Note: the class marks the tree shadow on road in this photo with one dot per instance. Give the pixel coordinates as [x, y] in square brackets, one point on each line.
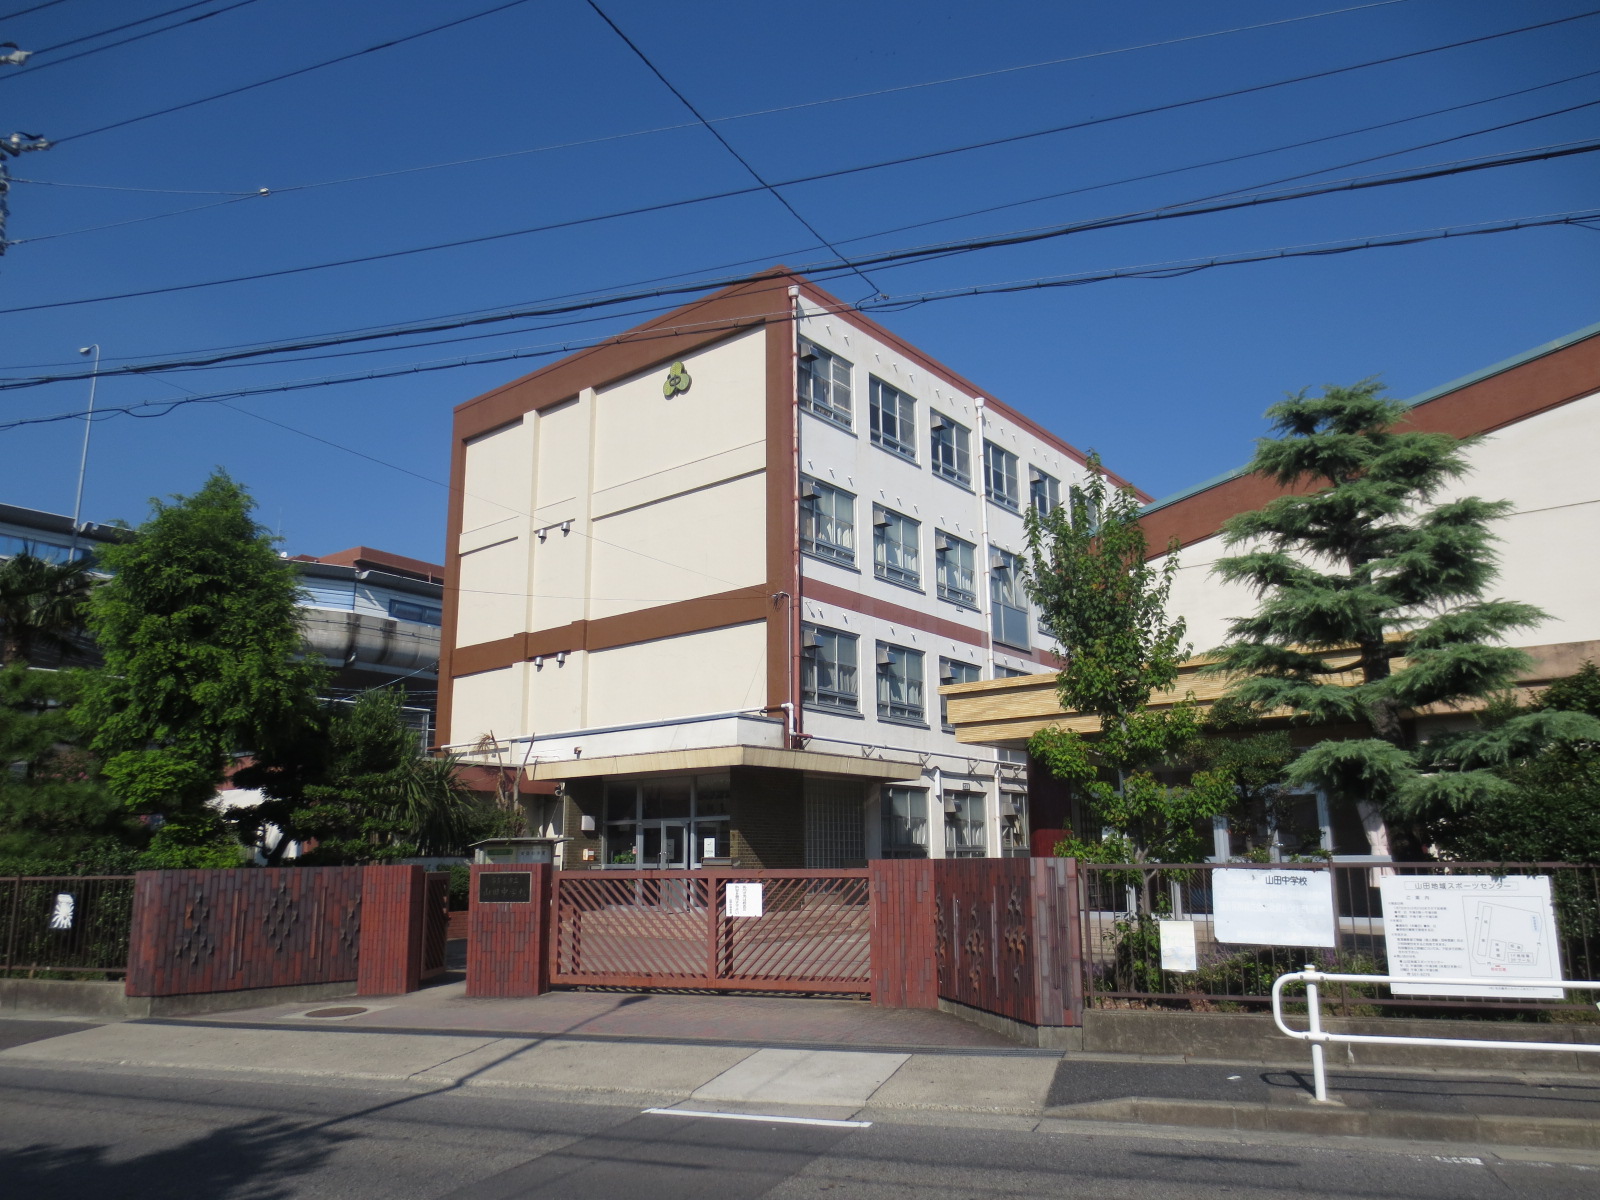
[258, 1160]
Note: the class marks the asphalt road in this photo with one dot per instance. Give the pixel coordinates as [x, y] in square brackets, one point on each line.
[124, 1135]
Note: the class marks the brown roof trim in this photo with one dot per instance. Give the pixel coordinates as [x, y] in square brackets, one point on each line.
[1484, 405]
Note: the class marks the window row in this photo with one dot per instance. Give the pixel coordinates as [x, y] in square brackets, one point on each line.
[829, 677]
[825, 390]
[904, 821]
[828, 531]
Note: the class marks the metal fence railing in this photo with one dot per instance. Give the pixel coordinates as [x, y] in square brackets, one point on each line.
[72, 924]
[1121, 906]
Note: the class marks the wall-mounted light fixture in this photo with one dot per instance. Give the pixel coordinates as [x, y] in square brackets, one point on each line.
[561, 659]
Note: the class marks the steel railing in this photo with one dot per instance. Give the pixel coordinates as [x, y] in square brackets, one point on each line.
[1318, 1036]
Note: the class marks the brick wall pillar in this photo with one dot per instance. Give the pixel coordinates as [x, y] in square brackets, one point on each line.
[391, 930]
[902, 954]
[507, 942]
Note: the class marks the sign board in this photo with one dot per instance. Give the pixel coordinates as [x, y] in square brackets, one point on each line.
[708, 847]
[1177, 946]
[1490, 927]
[61, 915]
[742, 900]
[505, 887]
[1273, 907]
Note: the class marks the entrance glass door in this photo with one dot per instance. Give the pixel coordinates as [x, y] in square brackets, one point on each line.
[664, 845]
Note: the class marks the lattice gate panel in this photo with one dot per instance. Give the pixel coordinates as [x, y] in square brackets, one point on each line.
[812, 929]
[638, 929]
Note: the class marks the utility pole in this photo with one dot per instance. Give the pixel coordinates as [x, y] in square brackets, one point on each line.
[17, 144]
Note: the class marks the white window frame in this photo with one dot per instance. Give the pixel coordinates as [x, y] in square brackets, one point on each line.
[1000, 475]
[827, 655]
[1008, 602]
[901, 696]
[950, 449]
[896, 540]
[966, 811]
[954, 670]
[1044, 491]
[956, 556]
[904, 810]
[894, 431]
[824, 533]
[824, 385]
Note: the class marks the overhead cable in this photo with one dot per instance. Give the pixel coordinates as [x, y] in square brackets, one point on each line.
[138, 37]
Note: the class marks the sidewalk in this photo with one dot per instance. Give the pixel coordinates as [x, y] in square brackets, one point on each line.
[743, 1054]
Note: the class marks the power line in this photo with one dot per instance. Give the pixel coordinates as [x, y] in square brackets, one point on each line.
[25, 11]
[816, 177]
[317, 66]
[1152, 271]
[48, 237]
[138, 37]
[725, 143]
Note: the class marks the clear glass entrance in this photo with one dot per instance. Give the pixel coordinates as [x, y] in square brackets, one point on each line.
[666, 822]
[664, 845]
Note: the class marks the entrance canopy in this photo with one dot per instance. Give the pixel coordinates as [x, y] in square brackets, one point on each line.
[714, 758]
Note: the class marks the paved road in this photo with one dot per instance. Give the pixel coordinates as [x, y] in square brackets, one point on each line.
[126, 1134]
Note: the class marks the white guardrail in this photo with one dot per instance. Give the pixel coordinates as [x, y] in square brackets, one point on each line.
[1317, 1036]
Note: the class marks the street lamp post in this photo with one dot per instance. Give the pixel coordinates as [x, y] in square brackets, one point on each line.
[83, 459]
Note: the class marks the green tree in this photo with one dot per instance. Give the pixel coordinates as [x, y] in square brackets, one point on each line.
[1360, 560]
[1105, 604]
[201, 637]
[53, 804]
[41, 606]
[358, 785]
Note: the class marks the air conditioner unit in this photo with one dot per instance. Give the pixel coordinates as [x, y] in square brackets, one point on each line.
[947, 676]
[885, 656]
[1008, 807]
[810, 643]
[937, 422]
[809, 491]
[997, 562]
[1034, 474]
[808, 353]
[879, 516]
[940, 542]
[950, 807]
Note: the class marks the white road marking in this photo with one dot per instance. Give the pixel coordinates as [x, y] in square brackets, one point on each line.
[722, 1116]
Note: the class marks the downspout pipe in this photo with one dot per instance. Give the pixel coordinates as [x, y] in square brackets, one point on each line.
[792, 705]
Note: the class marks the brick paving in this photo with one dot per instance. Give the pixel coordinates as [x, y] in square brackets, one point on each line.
[758, 1019]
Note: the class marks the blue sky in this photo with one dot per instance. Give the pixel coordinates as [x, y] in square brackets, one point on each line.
[1167, 378]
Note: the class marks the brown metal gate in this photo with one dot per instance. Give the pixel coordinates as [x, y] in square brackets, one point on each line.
[672, 929]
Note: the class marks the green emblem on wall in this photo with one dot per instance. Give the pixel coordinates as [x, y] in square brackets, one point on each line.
[677, 381]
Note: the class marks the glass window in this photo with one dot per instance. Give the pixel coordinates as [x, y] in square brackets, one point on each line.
[828, 668]
[1001, 672]
[1008, 601]
[1000, 475]
[327, 593]
[965, 829]
[1014, 823]
[894, 419]
[827, 521]
[48, 551]
[422, 614]
[1044, 491]
[899, 683]
[905, 822]
[954, 573]
[824, 382]
[894, 547]
[953, 671]
[1081, 501]
[951, 449]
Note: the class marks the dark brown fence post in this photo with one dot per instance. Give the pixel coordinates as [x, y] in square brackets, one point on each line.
[145, 937]
[902, 955]
[390, 961]
[510, 926]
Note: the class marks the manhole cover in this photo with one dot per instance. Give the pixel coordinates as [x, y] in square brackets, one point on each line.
[347, 1011]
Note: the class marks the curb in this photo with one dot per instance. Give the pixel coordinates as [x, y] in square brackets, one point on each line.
[1565, 1133]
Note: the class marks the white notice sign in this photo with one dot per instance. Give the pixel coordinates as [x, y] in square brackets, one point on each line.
[742, 900]
[1489, 927]
[708, 847]
[1177, 946]
[1273, 907]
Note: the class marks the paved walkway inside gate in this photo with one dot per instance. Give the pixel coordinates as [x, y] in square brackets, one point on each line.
[760, 1020]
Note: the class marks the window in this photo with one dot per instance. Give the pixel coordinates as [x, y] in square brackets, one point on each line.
[965, 829]
[951, 449]
[894, 547]
[1001, 672]
[328, 593]
[953, 671]
[1000, 475]
[1008, 618]
[1080, 500]
[894, 419]
[905, 822]
[422, 614]
[828, 668]
[899, 683]
[824, 384]
[954, 574]
[1044, 491]
[1013, 823]
[48, 551]
[827, 521]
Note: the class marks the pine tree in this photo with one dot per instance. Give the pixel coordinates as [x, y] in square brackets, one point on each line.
[1363, 571]
[200, 631]
[1105, 605]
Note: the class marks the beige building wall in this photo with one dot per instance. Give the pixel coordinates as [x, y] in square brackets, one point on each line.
[1545, 466]
[720, 670]
[488, 704]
